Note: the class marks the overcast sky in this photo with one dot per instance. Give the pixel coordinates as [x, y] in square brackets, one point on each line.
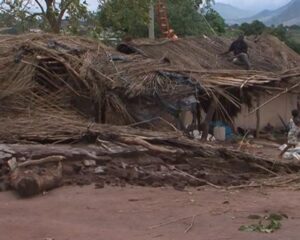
[255, 4]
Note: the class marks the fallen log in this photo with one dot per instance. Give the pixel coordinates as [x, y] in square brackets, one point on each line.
[28, 182]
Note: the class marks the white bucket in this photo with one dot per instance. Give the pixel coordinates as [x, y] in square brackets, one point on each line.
[220, 133]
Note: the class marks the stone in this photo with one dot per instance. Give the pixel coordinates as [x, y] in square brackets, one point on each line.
[89, 163]
[12, 163]
[99, 170]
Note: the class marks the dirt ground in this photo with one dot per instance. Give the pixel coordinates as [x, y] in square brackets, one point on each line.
[86, 213]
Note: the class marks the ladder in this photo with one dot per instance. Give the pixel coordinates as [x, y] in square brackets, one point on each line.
[162, 17]
[163, 21]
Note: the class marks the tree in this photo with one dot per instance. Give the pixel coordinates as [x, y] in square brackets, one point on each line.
[280, 31]
[13, 16]
[131, 16]
[125, 16]
[254, 28]
[215, 20]
[50, 11]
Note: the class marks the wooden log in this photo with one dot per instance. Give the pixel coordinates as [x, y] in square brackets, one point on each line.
[29, 182]
[50, 159]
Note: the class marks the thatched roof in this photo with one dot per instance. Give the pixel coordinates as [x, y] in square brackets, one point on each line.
[267, 53]
[49, 81]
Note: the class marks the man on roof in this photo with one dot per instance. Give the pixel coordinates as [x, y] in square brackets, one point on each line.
[240, 50]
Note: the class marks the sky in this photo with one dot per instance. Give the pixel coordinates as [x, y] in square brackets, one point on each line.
[255, 5]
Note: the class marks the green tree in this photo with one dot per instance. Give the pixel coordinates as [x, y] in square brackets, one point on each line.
[185, 19]
[254, 28]
[215, 20]
[50, 11]
[280, 31]
[127, 16]
[131, 16]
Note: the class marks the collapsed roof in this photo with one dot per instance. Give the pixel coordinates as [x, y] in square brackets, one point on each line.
[51, 81]
[266, 53]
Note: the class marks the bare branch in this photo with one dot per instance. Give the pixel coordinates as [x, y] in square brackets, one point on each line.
[40, 5]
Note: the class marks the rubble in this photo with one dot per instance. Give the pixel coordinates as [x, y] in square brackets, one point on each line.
[112, 118]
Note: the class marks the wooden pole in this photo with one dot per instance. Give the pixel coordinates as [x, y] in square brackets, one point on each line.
[257, 116]
[208, 118]
[151, 21]
[276, 96]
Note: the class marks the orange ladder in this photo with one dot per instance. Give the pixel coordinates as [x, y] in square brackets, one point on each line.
[163, 20]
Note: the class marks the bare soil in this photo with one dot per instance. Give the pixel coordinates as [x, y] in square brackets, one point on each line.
[113, 213]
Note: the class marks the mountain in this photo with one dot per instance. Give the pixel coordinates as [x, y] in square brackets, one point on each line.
[231, 13]
[287, 15]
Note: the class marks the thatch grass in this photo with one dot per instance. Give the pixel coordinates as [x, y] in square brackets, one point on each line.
[49, 82]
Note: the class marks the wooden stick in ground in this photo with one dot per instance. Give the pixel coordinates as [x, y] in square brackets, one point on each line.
[191, 225]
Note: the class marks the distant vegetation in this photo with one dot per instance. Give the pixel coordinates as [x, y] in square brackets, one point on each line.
[287, 15]
[117, 18]
[289, 35]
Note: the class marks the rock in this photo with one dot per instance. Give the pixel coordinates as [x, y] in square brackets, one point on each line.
[99, 170]
[89, 163]
[12, 163]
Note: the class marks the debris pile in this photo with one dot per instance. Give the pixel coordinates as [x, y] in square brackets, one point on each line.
[96, 107]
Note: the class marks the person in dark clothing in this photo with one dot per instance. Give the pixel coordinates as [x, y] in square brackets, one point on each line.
[240, 50]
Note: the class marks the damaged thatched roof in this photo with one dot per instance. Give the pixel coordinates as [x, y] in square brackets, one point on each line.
[267, 53]
[65, 78]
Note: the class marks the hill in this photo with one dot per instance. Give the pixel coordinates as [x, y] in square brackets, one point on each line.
[287, 15]
[231, 13]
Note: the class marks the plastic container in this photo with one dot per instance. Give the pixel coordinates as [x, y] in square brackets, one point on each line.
[220, 133]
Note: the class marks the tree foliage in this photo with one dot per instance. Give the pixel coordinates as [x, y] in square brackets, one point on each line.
[51, 12]
[131, 16]
[126, 16]
[280, 31]
[216, 21]
[254, 28]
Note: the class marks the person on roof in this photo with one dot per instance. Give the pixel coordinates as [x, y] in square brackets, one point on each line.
[240, 50]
